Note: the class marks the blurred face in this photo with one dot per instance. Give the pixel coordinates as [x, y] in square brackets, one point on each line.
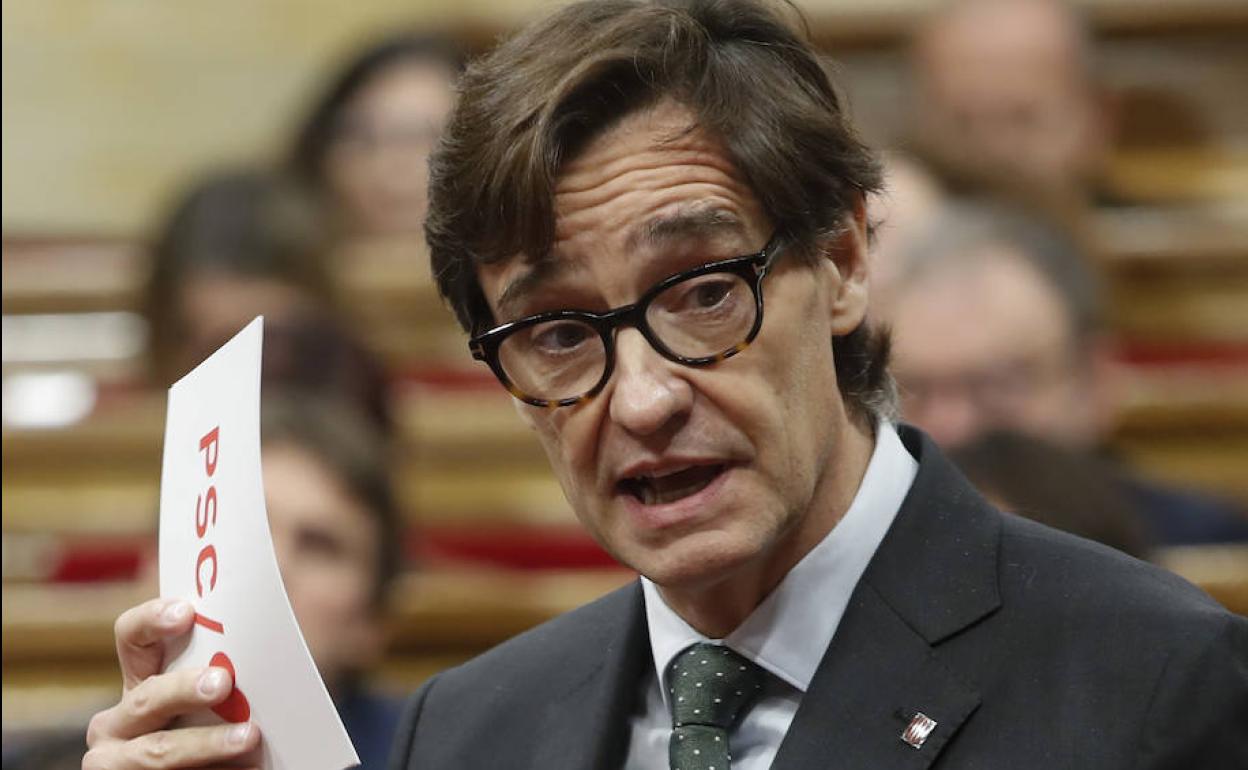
[1002, 89]
[377, 167]
[326, 544]
[214, 306]
[696, 477]
[910, 196]
[990, 346]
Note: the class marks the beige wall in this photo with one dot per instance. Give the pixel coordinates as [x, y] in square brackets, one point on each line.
[109, 104]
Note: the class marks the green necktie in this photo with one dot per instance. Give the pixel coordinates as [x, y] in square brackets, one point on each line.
[709, 687]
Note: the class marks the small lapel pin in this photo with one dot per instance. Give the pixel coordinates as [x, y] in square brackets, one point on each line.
[921, 726]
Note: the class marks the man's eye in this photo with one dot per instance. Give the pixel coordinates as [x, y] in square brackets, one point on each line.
[711, 293]
[560, 337]
[704, 295]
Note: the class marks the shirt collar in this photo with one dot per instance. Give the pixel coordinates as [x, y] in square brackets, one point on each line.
[789, 631]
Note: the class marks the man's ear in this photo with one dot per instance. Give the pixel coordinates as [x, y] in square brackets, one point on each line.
[847, 251]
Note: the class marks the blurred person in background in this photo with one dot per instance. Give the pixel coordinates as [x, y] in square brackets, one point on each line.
[1062, 487]
[337, 536]
[244, 243]
[365, 144]
[910, 196]
[1007, 87]
[236, 244]
[998, 323]
[62, 751]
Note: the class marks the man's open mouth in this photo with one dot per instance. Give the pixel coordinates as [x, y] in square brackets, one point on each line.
[668, 488]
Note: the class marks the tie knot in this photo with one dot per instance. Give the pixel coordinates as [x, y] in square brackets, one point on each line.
[711, 685]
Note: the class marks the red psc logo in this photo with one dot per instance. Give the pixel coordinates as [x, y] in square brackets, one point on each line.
[235, 707]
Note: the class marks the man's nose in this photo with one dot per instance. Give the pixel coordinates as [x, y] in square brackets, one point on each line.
[648, 392]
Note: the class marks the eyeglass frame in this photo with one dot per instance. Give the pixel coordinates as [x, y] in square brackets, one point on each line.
[752, 268]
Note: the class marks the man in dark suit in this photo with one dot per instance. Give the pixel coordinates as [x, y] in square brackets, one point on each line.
[1028, 648]
[650, 214]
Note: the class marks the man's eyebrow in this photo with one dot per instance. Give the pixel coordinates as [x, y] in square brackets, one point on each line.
[667, 227]
[526, 282]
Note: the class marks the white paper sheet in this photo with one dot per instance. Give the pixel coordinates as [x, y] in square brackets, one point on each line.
[216, 552]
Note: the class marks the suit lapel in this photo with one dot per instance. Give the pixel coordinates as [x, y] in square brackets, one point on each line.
[587, 724]
[933, 576]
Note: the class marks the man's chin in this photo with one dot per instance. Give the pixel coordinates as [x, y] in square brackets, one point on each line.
[695, 562]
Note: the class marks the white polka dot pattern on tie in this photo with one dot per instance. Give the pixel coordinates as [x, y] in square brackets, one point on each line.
[708, 704]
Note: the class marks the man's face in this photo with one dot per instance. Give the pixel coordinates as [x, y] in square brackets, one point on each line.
[989, 345]
[746, 458]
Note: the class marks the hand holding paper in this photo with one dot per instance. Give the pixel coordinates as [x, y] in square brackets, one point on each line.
[130, 734]
[217, 567]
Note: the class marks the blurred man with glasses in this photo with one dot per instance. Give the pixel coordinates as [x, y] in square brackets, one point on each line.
[998, 323]
[649, 215]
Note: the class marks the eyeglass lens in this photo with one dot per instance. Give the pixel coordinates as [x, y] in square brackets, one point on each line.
[701, 317]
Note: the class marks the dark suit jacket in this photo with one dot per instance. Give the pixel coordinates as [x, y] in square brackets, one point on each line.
[1030, 648]
[371, 720]
[1174, 516]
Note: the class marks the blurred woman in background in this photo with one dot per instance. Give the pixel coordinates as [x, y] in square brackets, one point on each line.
[243, 243]
[237, 243]
[365, 144]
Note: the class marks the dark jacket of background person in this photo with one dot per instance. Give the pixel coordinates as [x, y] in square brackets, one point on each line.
[1067, 489]
[60, 751]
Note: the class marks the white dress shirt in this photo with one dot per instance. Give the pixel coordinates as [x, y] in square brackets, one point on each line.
[789, 631]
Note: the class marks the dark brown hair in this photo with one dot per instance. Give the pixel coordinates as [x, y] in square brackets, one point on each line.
[238, 222]
[350, 447]
[751, 81]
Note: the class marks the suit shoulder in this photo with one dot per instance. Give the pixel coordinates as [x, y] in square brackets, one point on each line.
[1086, 578]
[462, 716]
[550, 651]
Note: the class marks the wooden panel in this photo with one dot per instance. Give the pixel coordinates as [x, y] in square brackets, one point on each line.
[59, 662]
[466, 457]
[1221, 570]
[1177, 274]
[1190, 174]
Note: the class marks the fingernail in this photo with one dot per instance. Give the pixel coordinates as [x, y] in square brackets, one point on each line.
[238, 734]
[176, 612]
[212, 682]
